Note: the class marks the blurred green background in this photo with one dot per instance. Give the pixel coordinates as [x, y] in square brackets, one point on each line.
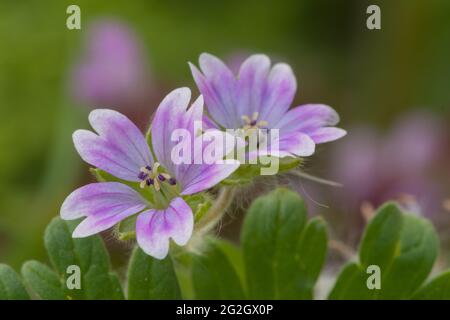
[370, 77]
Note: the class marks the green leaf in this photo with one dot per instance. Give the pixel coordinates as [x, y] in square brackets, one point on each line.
[97, 282]
[214, 277]
[43, 281]
[402, 245]
[414, 260]
[436, 289]
[351, 284]
[380, 241]
[312, 252]
[283, 255]
[11, 287]
[236, 258]
[151, 279]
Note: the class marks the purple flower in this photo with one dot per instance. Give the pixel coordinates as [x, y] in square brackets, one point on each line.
[259, 97]
[112, 71]
[152, 186]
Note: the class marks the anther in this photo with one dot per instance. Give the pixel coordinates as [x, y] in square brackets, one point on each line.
[142, 175]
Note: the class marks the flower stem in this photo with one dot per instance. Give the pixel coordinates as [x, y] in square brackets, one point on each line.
[217, 211]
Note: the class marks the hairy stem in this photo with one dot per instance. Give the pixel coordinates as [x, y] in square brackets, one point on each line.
[217, 211]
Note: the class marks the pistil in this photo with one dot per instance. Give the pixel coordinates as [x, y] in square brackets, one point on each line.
[253, 123]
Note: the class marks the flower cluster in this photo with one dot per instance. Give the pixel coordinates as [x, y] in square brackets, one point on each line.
[149, 184]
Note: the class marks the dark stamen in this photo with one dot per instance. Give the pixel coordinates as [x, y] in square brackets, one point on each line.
[148, 168]
[253, 123]
[161, 177]
[142, 175]
[172, 181]
[149, 181]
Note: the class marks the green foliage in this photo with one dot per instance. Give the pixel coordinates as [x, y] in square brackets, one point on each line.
[89, 254]
[11, 287]
[283, 253]
[97, 282]
[214, 276]
[404, 246]
[436, 289]
[151, 279]
[281, 257]
[43, 281]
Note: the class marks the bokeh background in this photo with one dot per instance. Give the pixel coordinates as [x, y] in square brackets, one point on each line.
[390, 86]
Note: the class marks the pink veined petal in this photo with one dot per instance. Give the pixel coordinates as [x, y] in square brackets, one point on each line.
[122, 133]
[327, 134]
[104, 204]
[252, 85]
[100, 153]
[281, 88]
[307, 118]
[171, 115]
[208, 166]
[120, 148]
[154, 228]
[298, 144]
[218, 86]
[193, 114]
[294, 144]
[209, 176]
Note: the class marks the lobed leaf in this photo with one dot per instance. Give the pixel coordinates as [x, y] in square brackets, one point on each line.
[89, 254]
[214, 276]
[436, 289]
[283, 254]
[11, 287]
[43, 281]
[151, 279]
[402, 245]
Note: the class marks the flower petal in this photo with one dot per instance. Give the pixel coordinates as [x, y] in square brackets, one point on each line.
[252, 85]
[104, 204]
[170, 116]
[208, 166]
[99, 153]
[327, 134]
[209, 175]
[154, 228]
[122, 133]
[281, 88]
[298, 144]
[307, 118]
[120, 148]
[218, 85]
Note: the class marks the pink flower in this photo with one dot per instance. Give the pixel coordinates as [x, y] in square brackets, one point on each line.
[259, 96]
[150, 186]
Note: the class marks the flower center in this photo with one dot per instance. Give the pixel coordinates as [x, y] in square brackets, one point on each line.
[151, 176]
[253, 122]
